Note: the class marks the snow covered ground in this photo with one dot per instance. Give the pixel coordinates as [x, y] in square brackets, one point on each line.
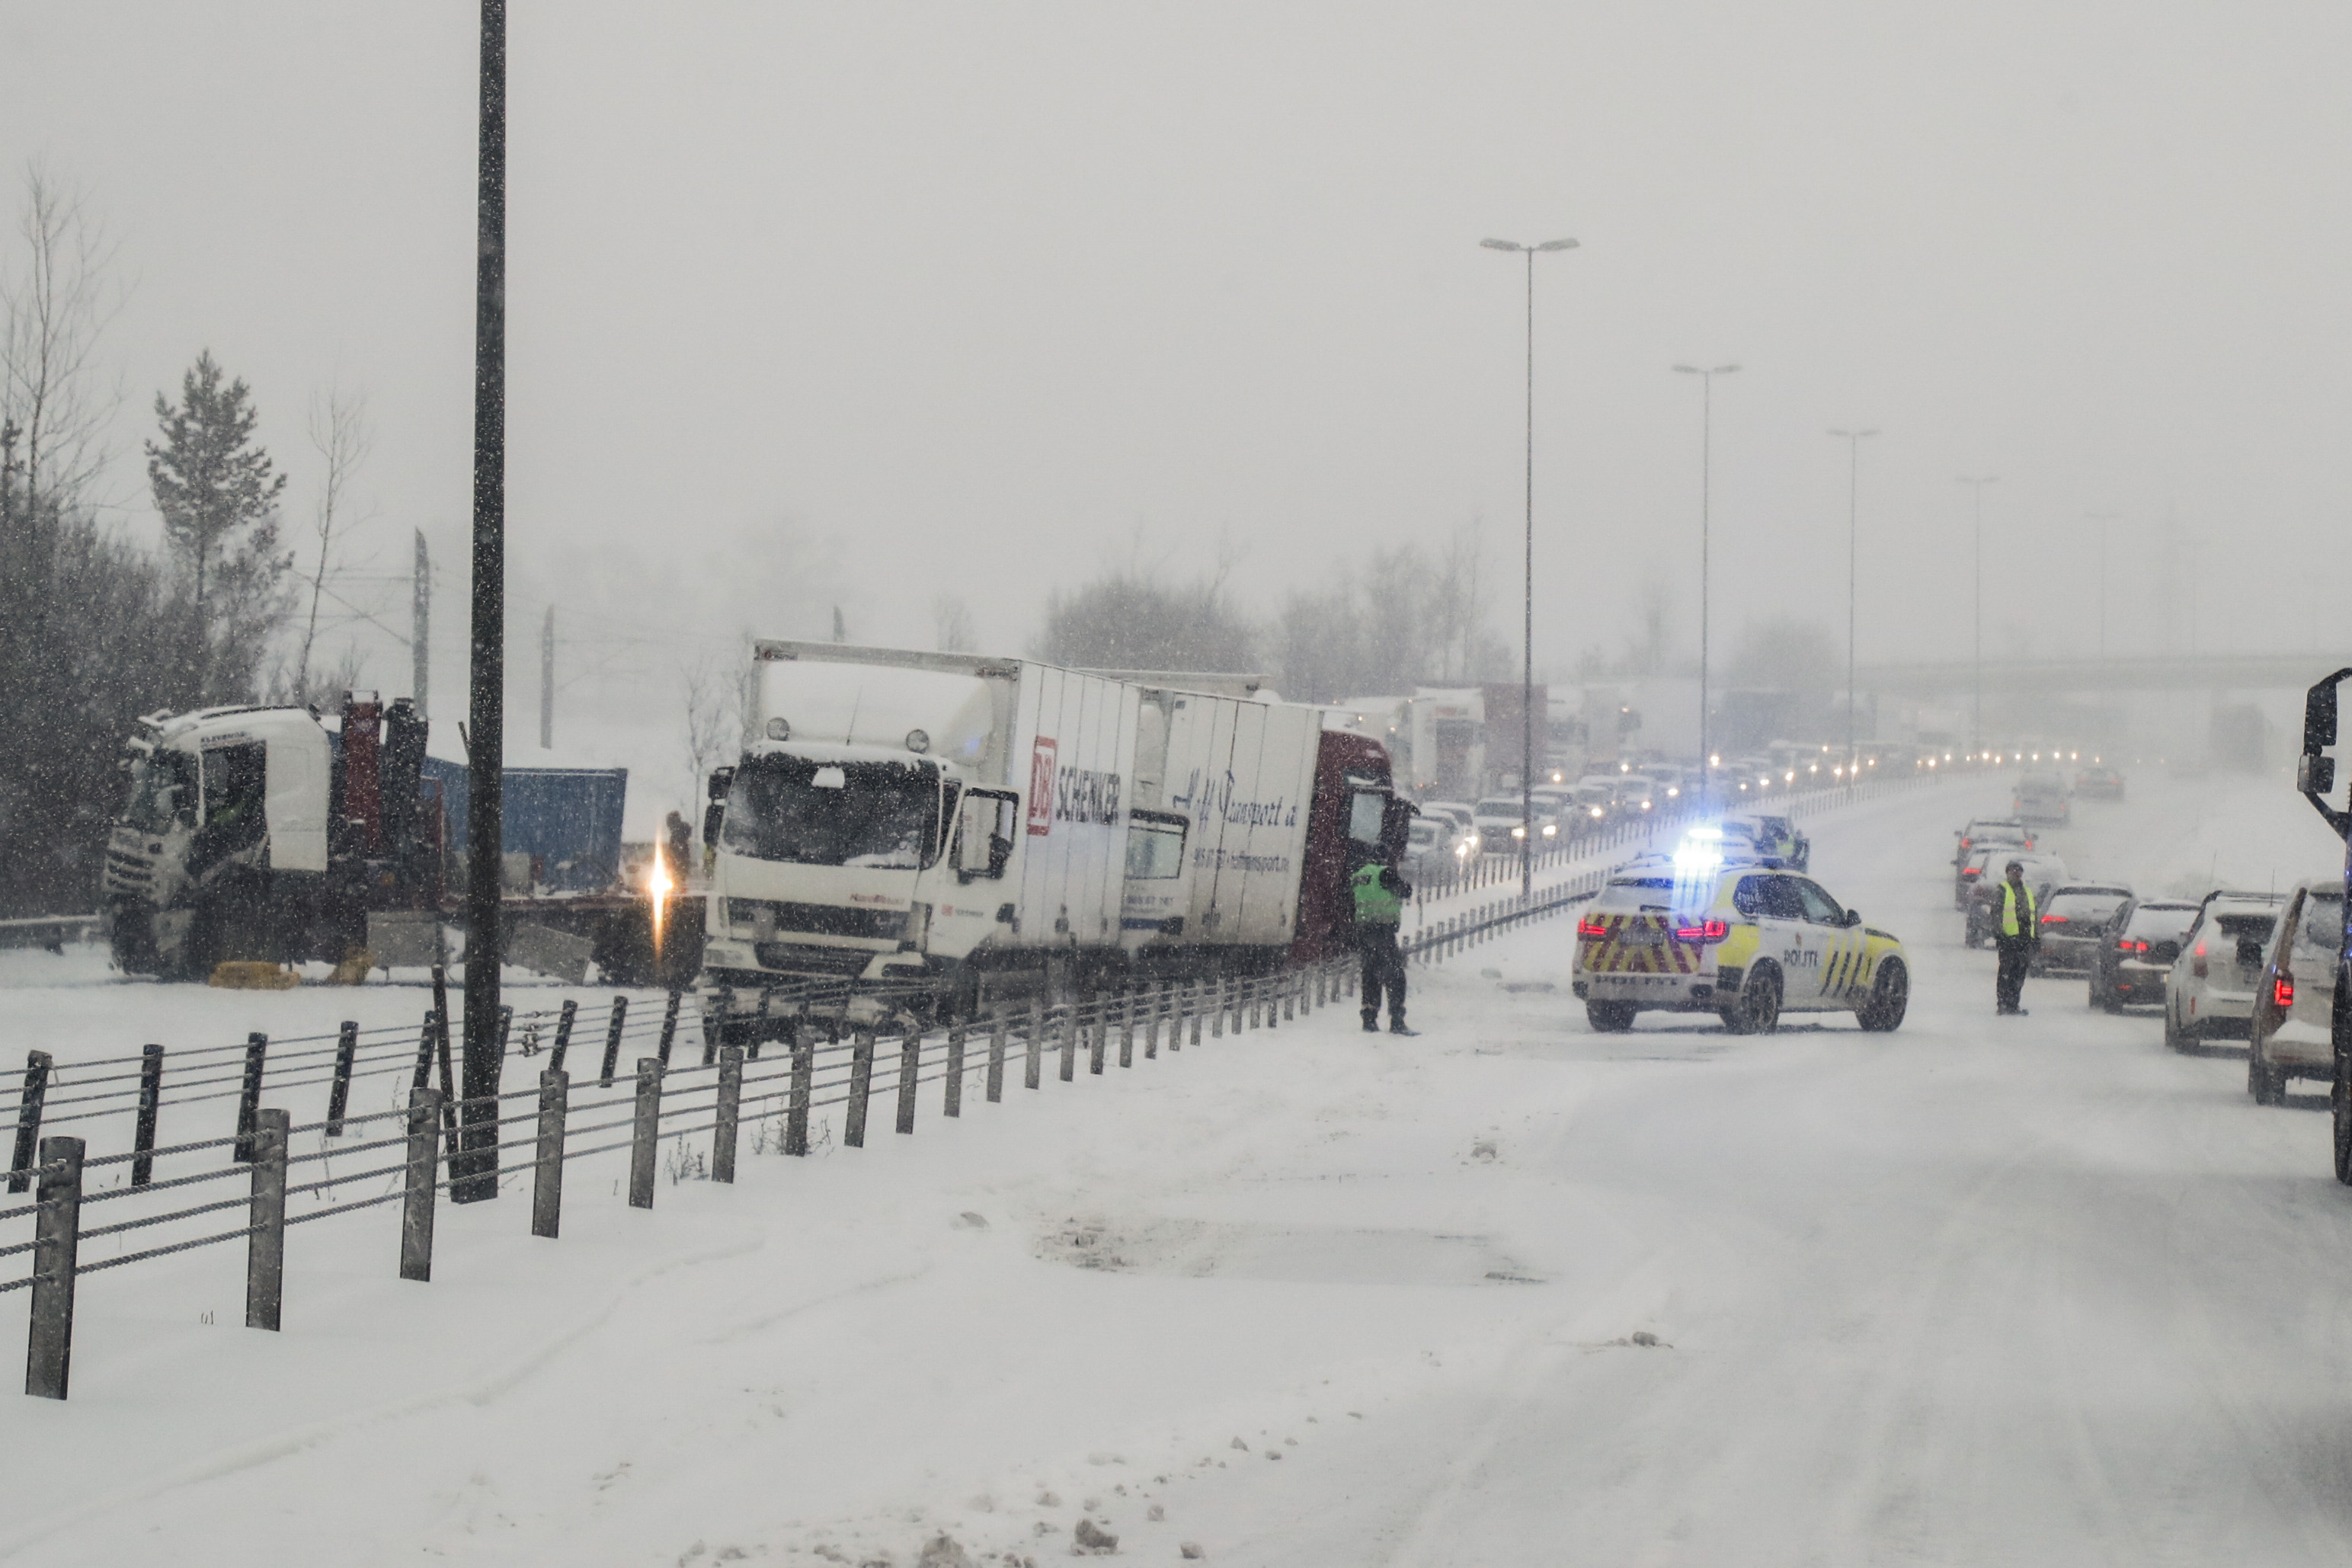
[2018, 1291]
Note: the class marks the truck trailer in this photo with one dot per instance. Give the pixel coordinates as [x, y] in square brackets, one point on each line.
[911, 830]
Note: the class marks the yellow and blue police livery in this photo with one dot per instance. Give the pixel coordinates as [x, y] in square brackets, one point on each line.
[1703, 931]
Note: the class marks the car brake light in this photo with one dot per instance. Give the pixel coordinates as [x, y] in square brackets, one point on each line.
[1968, 872]
[2053, 920]
[2282, 990]
[1705, 931]
[2197, 965]
[1591, 927]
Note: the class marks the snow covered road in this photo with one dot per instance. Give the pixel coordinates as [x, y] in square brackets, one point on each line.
[1984, 1290]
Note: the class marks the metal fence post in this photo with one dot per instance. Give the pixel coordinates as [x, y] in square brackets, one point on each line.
[996, 1058]
[1032, 1068]
[570, 1010]
[1217, 1018]
[910, 1062]
[796, 1114]
[506, 1027]
[248, 1099]
[423, 1076]
[645, 1135]
[151, 1101]
[1155, 1002]
[265, 1247]
[416, 1208]
[547, 1175]
[669, 1028]
[1290, 998]
[613, 1042]
[56, 1250]
[714, 1027]
[861, 1086]
[1070, 1023]
[1193, 998]
[1126, 1029]
[952, 1102]
[338, 1096]
[1098, 1033]
[731, 1110]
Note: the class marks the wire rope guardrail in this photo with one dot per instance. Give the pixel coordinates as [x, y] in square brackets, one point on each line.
[823, 1064]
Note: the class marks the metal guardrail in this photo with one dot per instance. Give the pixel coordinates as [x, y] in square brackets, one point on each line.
[52, 931]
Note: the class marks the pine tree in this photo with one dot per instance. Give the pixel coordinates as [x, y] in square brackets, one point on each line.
[218, 496]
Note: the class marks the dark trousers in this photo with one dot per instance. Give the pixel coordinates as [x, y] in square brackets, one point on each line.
[1383, 966]
[2008, 980]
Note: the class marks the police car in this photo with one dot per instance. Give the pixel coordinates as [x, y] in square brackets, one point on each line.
[1704, 930]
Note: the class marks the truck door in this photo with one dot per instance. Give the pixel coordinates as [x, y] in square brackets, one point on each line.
[1157, 891]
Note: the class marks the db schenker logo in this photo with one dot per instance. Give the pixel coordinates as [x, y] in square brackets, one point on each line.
[1042, 762]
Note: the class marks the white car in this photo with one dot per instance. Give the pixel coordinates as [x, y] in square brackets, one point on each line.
[2209, 993]
[1435, 842]
[2291, 1033]
[1500, 827]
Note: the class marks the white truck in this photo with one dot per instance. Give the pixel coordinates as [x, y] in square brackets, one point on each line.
[908, 829]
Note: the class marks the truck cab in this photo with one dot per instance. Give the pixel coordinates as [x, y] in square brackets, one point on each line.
[244, 835]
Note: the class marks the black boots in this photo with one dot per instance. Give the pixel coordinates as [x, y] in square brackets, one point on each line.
[1372, 1023]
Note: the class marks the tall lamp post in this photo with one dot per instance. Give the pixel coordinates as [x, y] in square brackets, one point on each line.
[475, 1173]
[1527, 673]
[2100, 520]
[1854, 440]
[1706, 485]
[1976, 482]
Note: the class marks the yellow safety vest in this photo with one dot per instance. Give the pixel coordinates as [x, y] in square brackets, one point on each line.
[2010, 912]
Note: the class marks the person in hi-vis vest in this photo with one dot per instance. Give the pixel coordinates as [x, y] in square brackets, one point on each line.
[1379, 895]
[2016, 931]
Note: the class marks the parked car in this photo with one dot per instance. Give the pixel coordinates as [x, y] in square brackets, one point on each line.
[2079, 921]
[1435, 844]
[2290, 1032]
[2099, 784]
[2043, 796]
[1990, 830]
[2130, 970]
[2209, 993]
[1986, 863]
[2043, 873]
[1500, 826]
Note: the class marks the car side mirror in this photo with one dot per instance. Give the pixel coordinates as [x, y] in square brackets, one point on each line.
[1853, 917]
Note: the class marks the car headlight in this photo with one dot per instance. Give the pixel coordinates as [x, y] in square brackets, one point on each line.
[1550, 829]
[1518, 833]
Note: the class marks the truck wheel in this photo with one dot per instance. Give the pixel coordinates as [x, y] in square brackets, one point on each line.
[1758, 1009]
[1610, 1017]
[2265, 1083]
[1890, 998]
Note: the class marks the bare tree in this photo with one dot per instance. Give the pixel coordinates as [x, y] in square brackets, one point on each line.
[54, 306]
[952, 620]
[713, 722]
[342, 436]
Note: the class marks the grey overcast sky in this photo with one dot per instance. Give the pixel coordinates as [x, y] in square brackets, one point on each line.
[875, 301]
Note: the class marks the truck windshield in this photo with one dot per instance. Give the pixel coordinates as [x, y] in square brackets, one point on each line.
[162, 782]
[884, 815]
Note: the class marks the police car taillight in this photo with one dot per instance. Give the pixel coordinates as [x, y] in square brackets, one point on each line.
[1705, 931]
[2282, 990]
[1588, 926]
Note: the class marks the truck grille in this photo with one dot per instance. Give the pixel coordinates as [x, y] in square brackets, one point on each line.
[823, 920]
[804, 958]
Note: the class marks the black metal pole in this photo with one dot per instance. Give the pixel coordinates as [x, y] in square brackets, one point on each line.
[1528, 668]
[476, 1175]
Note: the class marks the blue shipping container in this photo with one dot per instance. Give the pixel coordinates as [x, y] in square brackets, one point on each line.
[568, 818]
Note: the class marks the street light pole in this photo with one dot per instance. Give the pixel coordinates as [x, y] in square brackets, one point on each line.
[1705, 497]
[475, 1172]
[2101, 519]
[1528, 672]
[1854, 440]
[1976, 482]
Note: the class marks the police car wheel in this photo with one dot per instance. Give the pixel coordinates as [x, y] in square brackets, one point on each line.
[1890, 997]
[1610, 1017]
[2339, 1099]
[1758, 1009]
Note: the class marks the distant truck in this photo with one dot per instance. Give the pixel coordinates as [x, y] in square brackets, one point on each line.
[260, 833]
[909, 829]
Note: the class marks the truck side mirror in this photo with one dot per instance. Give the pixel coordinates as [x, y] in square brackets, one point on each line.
[2315, 774]
[714, 816]
[721, 781]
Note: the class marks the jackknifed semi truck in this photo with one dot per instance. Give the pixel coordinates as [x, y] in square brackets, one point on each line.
[912, 832]
[273, 834]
